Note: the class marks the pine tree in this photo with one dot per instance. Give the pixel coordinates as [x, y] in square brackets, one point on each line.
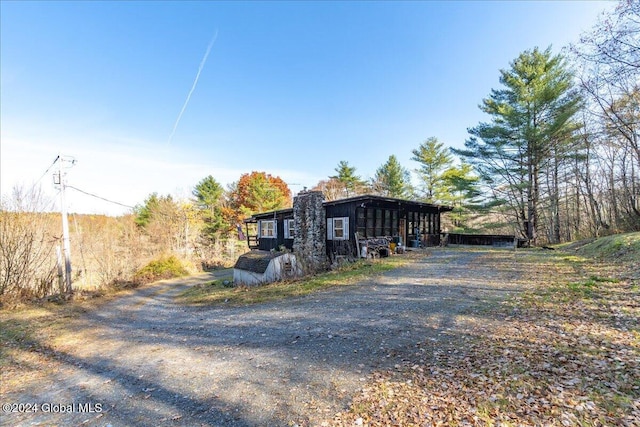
[392, 180]
[531, 116]
[462, 192]
[352, 183]
[434, 160]
[209, 198]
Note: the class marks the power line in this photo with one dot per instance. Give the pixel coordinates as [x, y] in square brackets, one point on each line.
[53, 202]
[111, 201]
[99, 197]
[45, 172]
[114, 202]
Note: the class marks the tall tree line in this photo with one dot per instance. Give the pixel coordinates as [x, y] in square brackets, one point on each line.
[213, 213]
[521, 151]
[608, 172]
[560, 156]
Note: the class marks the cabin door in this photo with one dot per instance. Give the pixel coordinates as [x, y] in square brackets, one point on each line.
[403, 231]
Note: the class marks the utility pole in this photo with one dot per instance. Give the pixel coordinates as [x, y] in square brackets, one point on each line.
[65, 221]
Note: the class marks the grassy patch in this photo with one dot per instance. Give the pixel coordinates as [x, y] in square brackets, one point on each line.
[162, 268]
[25, 332]
[218, 293]
[573, 259]
[13, 333]
[586, 288]
[618, 248]
[612, 248]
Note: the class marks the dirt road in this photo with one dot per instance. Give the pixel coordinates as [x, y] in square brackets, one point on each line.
[144, 360]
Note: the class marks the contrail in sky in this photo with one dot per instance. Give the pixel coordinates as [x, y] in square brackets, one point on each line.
[193, 87]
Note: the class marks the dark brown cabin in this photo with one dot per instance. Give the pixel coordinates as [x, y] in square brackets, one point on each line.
[404, 222]
[270, 230]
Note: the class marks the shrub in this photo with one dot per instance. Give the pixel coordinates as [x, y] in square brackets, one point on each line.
[27, 248]
[158, 269]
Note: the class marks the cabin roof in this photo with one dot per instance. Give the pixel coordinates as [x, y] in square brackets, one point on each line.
[270, 214]
[401, 202]
[256, 261]
[357, 199]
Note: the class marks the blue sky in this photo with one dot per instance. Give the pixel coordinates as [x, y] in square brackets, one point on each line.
[290, 88]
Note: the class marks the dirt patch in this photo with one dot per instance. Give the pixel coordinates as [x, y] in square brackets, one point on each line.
[144, 360]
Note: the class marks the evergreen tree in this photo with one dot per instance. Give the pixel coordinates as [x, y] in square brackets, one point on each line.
[154, 206]
[434, 160]
[392, 180]
[165, 221]
[352, 183]
[209, 198]
[461, 192]
[531, 116]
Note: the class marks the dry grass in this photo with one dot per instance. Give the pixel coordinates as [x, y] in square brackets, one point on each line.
[25, 332]
[217, 292]
[28, 331]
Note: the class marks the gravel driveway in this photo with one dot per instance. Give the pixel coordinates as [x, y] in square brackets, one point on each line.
[143, 360]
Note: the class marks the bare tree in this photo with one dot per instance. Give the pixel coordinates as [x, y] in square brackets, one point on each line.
[27, 246]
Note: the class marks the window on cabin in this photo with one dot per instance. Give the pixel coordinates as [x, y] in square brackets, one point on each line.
[395, 229]
[268, 229]
[378, 229]
[338, 228]
[370, 231]
[361, 222]
[289, 228]
[387, 223]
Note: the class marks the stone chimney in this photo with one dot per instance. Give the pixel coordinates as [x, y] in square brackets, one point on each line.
[309, 242]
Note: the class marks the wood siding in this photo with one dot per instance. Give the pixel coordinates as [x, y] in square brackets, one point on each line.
[267, 244]
[412, 223]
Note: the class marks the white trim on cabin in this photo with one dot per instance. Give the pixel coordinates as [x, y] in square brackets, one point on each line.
[338, 228]
[289, 229]
[268, 229]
